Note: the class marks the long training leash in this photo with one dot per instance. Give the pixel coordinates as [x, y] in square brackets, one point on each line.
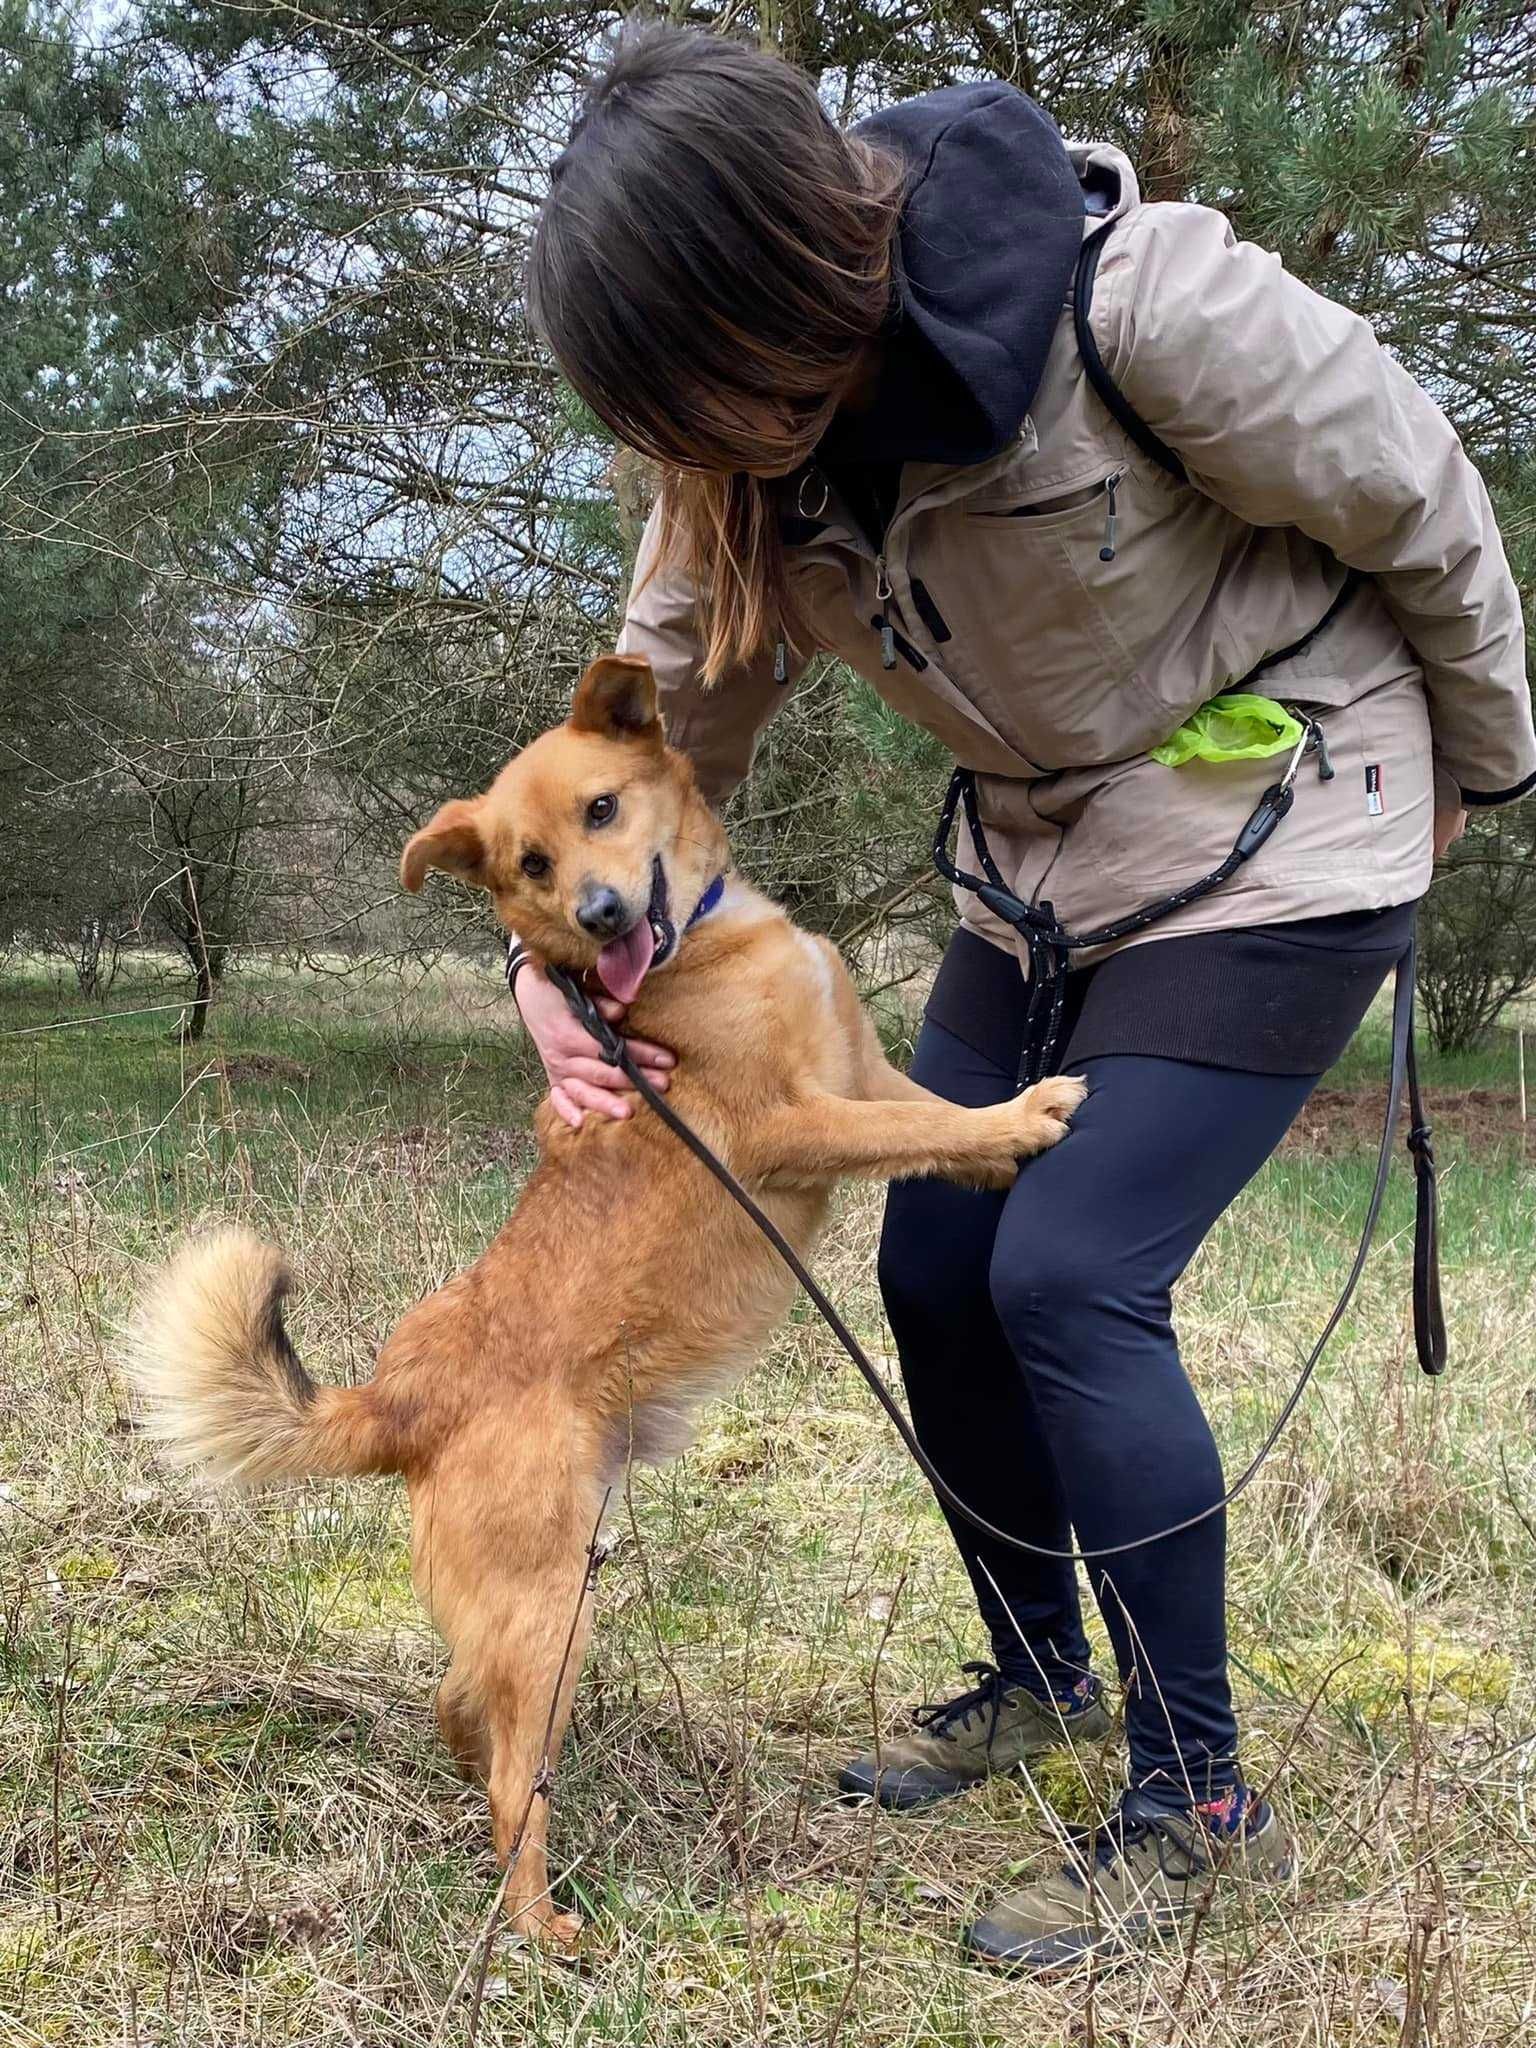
[1049, 946]
[1429, 1328]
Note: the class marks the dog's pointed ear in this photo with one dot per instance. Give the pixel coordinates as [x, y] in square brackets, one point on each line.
[452, 841]
[617, 697]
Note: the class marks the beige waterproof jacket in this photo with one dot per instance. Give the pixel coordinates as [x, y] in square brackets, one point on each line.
[1052, 672]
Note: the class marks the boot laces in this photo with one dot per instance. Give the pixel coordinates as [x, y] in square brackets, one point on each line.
[1107, 1842]
[938, 1717]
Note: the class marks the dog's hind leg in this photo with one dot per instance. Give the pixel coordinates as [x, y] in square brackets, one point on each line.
[461, 1719]
[538, 1654]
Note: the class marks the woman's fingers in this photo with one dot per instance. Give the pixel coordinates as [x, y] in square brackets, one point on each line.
[654, 1058]
[564, 1108]
[593, 1088]
[581, 1083]
[586, 1095]
[606, 1082]
[595, 1074]
[574, 1101]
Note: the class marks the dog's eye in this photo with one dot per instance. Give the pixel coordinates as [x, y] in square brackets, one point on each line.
[602, 809]
[534, 865]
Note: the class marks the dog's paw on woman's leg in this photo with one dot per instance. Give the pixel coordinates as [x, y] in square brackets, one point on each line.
[1026, 1124]
[1016, 1130]
[1043, 1112]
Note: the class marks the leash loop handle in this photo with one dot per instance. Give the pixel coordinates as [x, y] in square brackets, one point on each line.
[1428, 1311]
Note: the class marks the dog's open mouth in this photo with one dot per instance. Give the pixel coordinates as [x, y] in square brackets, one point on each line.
[624, 963]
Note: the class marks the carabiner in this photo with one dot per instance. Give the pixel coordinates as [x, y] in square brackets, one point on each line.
[1293, 766]
[1313, 740]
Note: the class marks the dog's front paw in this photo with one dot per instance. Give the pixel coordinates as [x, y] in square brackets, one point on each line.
[1043, 1112]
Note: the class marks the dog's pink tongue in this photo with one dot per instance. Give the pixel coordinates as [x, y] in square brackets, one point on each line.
[622, 964]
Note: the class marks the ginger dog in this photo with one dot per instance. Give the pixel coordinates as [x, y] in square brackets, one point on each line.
[626, 1287]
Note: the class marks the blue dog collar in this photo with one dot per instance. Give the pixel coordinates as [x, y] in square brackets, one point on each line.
[709, 901]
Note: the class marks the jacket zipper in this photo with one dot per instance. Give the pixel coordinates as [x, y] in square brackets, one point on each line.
[1112, 485]
[883, 594]
[887, 630]
[891, 642]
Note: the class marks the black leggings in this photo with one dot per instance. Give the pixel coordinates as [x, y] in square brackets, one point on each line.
[1040, 1361]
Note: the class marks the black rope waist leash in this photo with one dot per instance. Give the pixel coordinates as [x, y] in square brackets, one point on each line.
[1049, 946]
[1047, 942]
[1428, 1324]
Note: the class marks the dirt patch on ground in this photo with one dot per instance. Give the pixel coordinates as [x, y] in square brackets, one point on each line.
[263, 1066]
[1341, 1120]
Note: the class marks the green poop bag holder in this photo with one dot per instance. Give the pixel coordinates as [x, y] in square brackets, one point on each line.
[1233, 728]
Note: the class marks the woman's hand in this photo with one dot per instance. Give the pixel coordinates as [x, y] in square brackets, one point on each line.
[581, 1083]
[1449, 826]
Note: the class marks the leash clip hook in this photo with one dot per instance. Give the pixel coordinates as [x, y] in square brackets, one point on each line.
[1293, 766]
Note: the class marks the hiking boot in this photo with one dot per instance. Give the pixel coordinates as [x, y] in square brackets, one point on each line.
[1132, 1878]
[959, 1742]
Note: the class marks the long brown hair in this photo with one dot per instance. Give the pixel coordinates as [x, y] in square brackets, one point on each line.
[710, 266]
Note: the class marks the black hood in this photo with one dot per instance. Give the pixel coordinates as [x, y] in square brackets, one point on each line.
[990, 231]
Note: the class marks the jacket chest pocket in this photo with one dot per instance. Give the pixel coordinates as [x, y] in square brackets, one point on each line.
[1032, 587]
[1061, 508]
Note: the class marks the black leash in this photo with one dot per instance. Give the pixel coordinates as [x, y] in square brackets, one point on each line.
[1049, 945]
[1429, 1329]
[1047, 941]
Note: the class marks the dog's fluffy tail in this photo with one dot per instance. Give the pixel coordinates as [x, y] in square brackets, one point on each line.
[221, 1385]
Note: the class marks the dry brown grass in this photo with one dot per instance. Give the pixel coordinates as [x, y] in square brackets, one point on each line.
[226, 1816]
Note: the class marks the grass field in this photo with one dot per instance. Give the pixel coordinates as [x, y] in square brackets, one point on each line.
[224, 1817]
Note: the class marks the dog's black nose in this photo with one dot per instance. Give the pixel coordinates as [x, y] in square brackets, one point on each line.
[601, 911]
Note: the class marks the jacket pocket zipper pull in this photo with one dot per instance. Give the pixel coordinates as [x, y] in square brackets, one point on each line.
[1316, 743]
[1111, 517]
[780, 663]
[887, 631]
